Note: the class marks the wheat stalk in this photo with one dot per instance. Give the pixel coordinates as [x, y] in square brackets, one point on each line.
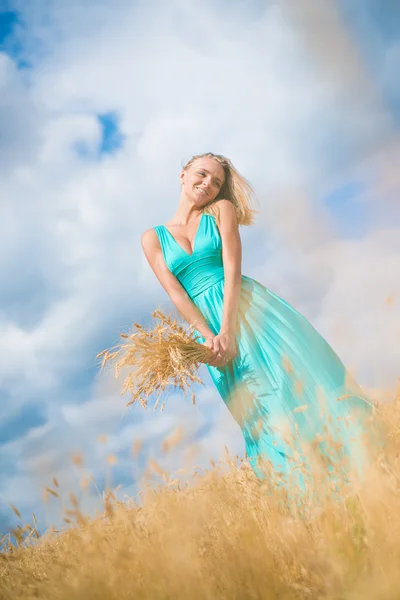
[161, 358]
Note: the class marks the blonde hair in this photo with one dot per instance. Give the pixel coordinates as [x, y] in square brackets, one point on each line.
[236, 189]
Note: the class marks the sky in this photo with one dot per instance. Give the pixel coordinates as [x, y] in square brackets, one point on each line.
[100, 104]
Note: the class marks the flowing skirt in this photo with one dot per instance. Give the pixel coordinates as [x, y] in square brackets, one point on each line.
[297, 406]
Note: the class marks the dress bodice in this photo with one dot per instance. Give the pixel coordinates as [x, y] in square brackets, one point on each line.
[204, 267]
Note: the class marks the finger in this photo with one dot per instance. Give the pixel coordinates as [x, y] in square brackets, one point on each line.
[222, 360]
[216, 346]
[215, 362]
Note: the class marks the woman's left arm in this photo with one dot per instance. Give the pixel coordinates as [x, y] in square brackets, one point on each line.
[225, 342]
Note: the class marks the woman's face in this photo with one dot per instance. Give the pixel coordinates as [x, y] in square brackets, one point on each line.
[203, 180]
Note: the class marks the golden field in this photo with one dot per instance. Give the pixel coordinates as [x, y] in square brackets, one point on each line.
[226, 535]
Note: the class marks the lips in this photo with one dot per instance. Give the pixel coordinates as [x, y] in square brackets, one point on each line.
[203, 192]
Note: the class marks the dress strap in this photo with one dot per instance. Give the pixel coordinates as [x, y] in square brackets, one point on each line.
[162, 238]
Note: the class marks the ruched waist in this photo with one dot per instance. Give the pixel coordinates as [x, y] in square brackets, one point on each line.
[206, 283]
[198, 276]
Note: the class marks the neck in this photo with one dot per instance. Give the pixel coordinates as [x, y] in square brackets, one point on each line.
[186, 212]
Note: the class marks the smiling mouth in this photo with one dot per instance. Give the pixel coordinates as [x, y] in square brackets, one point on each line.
[202, 191]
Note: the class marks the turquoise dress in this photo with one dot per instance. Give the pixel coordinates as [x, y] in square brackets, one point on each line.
[296, 405]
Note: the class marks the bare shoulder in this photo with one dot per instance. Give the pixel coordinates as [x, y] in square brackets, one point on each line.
[227, 213]
[226, 206]
[149, 239]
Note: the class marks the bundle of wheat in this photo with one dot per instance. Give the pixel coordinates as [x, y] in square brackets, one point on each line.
[161, 358]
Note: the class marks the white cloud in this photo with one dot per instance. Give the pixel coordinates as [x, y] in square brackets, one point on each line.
[183, 78]
[20, 119]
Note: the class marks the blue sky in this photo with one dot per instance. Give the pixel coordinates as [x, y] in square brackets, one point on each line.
[100, 103]
[7, 21]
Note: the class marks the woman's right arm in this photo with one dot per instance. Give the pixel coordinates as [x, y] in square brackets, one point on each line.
[180, 298]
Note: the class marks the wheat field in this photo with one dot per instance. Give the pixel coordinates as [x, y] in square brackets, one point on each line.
[221, 535]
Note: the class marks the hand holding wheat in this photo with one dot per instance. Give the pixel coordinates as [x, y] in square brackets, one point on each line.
[166, 356]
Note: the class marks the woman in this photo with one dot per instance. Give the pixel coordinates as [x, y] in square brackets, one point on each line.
[277, 375]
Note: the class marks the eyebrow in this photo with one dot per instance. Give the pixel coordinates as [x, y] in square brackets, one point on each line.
[207, 171]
